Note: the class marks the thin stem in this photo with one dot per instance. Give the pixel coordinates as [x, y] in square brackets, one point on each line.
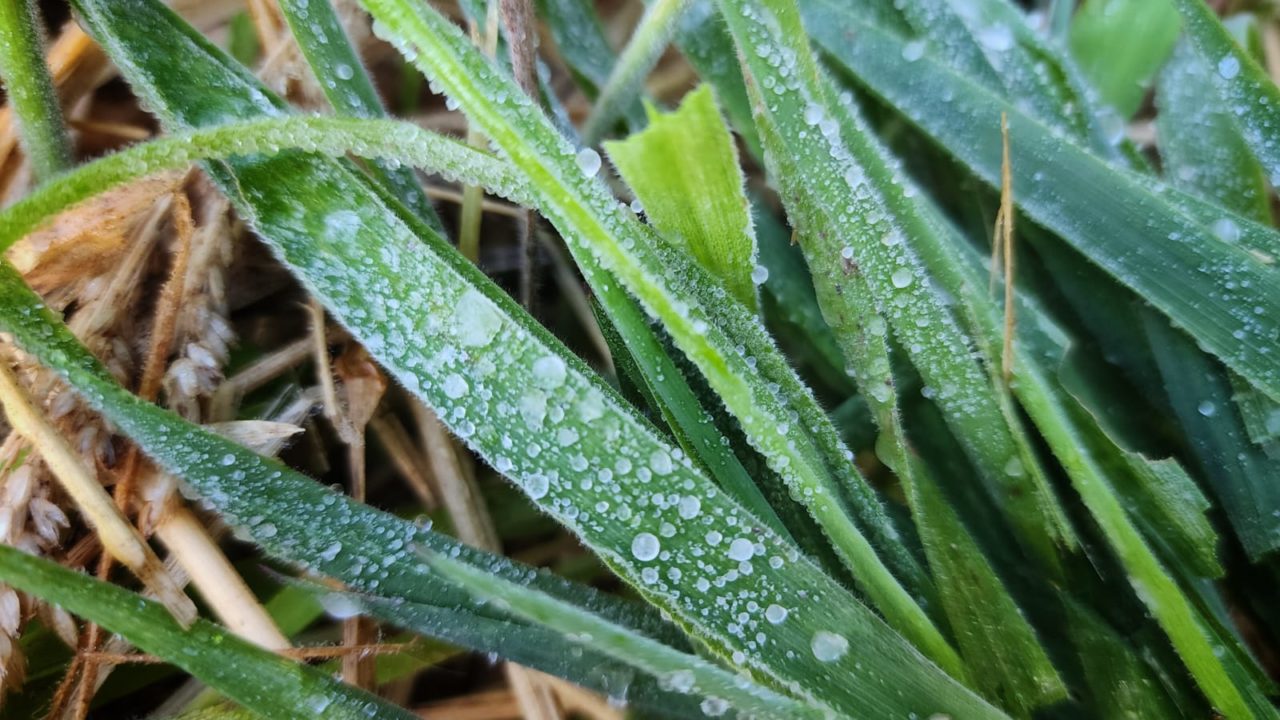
[642, 52]
[30, 90]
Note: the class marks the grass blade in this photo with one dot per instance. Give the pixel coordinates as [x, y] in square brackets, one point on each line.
[1111, 216]
[684, 169]
[29, 90]
[257, 679]
[646, 45]
[870, 278]
[1250, 95]
[345, 82]
[1118, 63]
[682, 671]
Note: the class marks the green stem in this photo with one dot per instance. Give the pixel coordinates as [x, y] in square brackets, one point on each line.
[642, 52]
[31, 94]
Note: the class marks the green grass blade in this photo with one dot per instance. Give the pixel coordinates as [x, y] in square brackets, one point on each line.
[684, 169]
[330, 136]
[689, 421]
[1009, 665]
[29, 90]
[1019, 672]
[1118, 62]
[705, 43]
[1112, 217]
[1251, 97]
[870, 277]
[1123, 687]
[259, 680]
[429, 283]
[1241, 474]
[1226, 682]
[482, 628]
[718, 336]
[1203, 151]
[575, 28]
[646, 45]
[680, 670]
[345, 82]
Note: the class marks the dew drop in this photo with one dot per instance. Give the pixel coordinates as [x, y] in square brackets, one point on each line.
[549, 372]
[475, 321]
[901, 277]
[588, 162]
[1228, 67]
[775, 614]
[913, 50]
[645, 547]
[714, 707]
[828, 646]
[689, 507]
[1014, 467]
[760, 275]
[741, 550]
[454, 386]
[537, 486]
[1226, 229]
[1207, 409]
[813, 114]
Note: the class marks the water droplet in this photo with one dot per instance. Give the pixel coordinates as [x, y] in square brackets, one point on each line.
[588, 162]
[344, 71]
[637, 207]
[901, 277]
[1228, 67]
[913, 50]
[660, 462]
[454, 386]
[549, 372]
[1207, 408]
[681, 680]
[760, 275]
[475, 321]
[814, 113]
[775, 614]
[741, 549]
[645, 547]
[537, 486]
[828, 646]
[1226, 229]
[689, 507]
[228, 460]
[1014, 467]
